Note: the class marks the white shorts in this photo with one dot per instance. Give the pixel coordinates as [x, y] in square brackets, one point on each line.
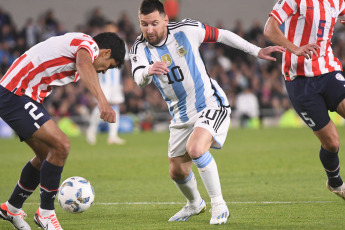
[215, 119]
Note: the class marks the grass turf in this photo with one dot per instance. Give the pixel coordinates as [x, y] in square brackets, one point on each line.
[271, 179]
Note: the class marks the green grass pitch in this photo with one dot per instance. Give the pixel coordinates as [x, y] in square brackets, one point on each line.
[271, 179]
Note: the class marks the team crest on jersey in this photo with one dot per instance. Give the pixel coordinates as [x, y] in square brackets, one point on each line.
[135, 58]
[339, 77]
[280, 2]
[181, 51]
[95, 48]
[333, 12]
[167, 59]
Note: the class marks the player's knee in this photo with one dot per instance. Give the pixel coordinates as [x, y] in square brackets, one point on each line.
[195, 151]
[178, 174]
[62, 148]
[331, 145]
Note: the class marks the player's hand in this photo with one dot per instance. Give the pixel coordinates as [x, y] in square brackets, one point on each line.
[158, 68]
[265, 53]
[106, 112]
[307, 50]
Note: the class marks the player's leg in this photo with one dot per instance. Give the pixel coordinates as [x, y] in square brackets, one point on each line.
[58, 144]
[26, 185]
[180, 170]
[312, 98]
[28, 181]
[197, 146]
[91, 133]
[113, 137]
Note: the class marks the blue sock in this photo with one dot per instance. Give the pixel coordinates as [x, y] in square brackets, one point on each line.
[204, 160]
[330, 162]
[28, 182]
[50, 181]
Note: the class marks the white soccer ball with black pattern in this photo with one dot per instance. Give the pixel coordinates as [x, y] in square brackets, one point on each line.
[76, 195]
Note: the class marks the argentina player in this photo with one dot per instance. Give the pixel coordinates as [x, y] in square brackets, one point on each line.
[168, 54]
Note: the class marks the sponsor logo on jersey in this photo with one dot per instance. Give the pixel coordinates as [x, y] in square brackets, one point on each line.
[167, 59]
[339, 77]
[181, 51]
[333, 12]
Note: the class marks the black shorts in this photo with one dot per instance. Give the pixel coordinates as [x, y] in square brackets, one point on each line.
[24, 115]
[312, 97]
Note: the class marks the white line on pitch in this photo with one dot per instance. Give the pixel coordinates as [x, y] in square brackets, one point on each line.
[233, 202]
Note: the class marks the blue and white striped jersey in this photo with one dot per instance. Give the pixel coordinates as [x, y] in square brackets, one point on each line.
[187, 88]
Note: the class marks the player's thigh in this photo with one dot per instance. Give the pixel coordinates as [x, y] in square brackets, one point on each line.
[211, 128]
[52, 136]
[199, 142]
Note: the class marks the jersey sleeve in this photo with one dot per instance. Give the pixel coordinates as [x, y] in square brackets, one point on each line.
[139, 62]
[87, 43]
[283, 9]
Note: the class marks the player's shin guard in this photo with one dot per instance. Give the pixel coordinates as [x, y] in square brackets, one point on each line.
[330, 162]
[28, 182]
[209, 174]
[50, 180]
[189, 189]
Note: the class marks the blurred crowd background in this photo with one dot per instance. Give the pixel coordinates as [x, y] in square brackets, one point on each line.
[255, 88]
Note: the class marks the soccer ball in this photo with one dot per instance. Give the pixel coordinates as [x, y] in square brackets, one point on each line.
[76, 195]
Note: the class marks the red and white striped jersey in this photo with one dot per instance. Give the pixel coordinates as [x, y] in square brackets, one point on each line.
[307, 22]
[49, 63]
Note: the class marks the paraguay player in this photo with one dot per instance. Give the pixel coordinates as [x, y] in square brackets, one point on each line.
[168, 54]
[55, 62]
[313, 75]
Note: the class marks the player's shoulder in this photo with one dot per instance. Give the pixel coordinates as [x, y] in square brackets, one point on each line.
[184, 24]
[140, 41]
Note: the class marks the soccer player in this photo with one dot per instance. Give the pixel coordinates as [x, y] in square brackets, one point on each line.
[168, 54]
[111, 84]
[313, 76]
[55, 62]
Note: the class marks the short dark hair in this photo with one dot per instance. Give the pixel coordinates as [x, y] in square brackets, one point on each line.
[149, 6]
[112, 41]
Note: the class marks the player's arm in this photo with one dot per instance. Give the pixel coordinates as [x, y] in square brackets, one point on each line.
[231, 39]
[273, 33]
[142, 70]
[88, 75]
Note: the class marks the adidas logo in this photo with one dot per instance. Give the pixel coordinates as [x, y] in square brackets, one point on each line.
[206, 122]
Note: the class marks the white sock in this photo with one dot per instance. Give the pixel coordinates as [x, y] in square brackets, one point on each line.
[114, 127]
[94, 120]
[189, 189]
[46, 212]
[209, 174]
[12, 209]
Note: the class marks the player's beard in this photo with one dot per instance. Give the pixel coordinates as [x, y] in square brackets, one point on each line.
[156, 39]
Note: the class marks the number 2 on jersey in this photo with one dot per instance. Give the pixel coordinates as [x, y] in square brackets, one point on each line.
[32, 112]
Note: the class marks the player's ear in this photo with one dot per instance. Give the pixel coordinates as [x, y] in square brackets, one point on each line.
[105, 53]
[166, 19]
